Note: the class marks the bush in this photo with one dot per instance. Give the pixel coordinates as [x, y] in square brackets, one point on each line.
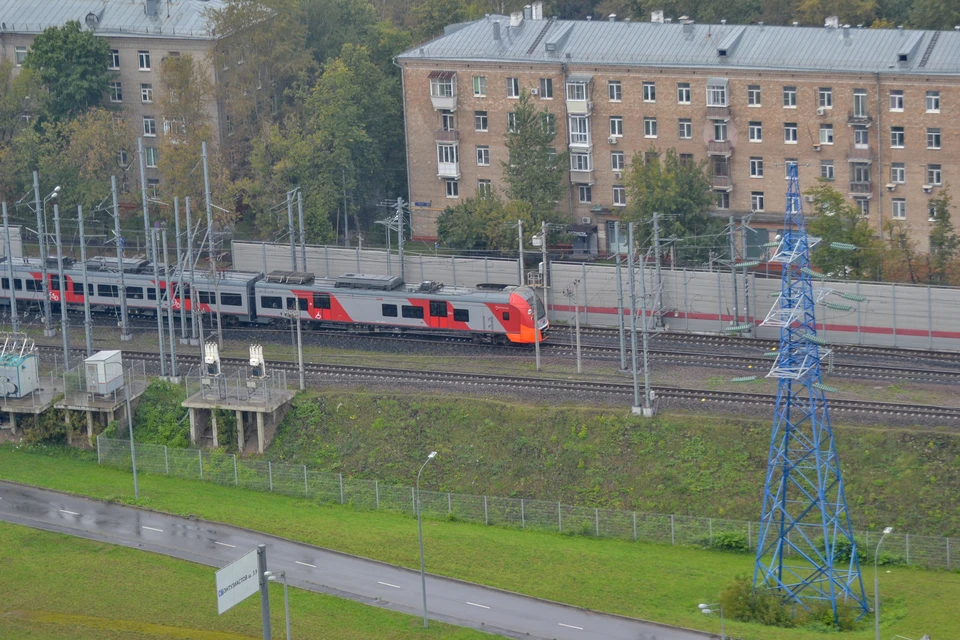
[159, 418]
[730, 541]
[742, 602]
[44, 428]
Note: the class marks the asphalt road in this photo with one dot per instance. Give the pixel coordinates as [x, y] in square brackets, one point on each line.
[317, 569]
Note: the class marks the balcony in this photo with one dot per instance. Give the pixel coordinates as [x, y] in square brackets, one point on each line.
[862, 119]
[722, 183]
[580, 141]
[578, 176]
[447, 135]
[860, 153]
[720, 148]
[579, 107]
[443, 90]
[861, 189]
[718, 113]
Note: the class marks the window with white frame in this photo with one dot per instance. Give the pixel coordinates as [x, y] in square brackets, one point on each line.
[683, 93]
[146, 92]
[756, 200]
[585, 193]
[122, 158]
[480, 121]
[863, 207]
[755, 131]
[20, 53]
[144, 59]
[787, 163]
[151, 156]
[789, 97]
[826, 134]
[898, 173]
[548, 123]
[480, 86]
[453, 188]
[616, 126]
[580, 161]
[576, 91]
[116, 92]
[448, 121]
[448, 153]
[649, 127]
[933, 138]
[546, 88]
[825, 98]
[719, 131]
[114, 63]
[153, 188]
[483, 156]
[511, 122]
[933, 102]
[790, 133]
[896, 100]
[896, 137]
[861, 137]
[442, 86]
[513, 87]
[859, 103]
[723, 199]
[484, 188]
[649, 92]
[756, 167]
[717, 95]
[686, 129]
[899, 210]
[934, 175]
[860, 173]
[619, 195]
[615, 90]
[826, 169]
[579, 130]
[149, 126]
[753, 95]
[617, 160]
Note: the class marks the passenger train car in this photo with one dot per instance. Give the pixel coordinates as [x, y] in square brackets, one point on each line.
[492, 312]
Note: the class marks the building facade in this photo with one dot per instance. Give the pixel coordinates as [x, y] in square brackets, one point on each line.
[875, 112]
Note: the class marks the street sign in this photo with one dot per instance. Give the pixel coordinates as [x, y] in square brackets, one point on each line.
[237, 581]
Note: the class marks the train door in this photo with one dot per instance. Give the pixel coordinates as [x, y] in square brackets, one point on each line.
[322, 307]
[439, 317]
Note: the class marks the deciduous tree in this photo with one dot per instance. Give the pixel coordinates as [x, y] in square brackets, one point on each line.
[485, 223]
[943, 241]
[836, 220]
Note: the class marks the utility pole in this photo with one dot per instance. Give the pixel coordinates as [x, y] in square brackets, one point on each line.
[544, 266]
[658, 323]
[746, 279]
[633, 319]
[213, 266]
[294, 315]
[573, 293]
[346, 220]
[179, 292]
[264, 590]
[170, 298]
[303, 233]
[41, 235]
[133, 450]
[124, 322]
[146, 206]
[61, 282]
[194, 310]
[14, 320]
[152, 243]
[647, 396]
[293, 237]
[623, 348]
[520, 256]
[87, 320]
[400, 237]
[733, 272]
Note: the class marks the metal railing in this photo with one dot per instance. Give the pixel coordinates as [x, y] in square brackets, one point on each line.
[540, 515]
[236, 385]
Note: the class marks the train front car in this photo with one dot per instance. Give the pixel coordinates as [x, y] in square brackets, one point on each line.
[528, 303]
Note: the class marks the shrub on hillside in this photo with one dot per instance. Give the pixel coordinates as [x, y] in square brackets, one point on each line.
[742, 602]
[730, 541]
[159, 418]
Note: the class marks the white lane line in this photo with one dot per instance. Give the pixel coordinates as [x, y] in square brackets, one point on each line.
[151, 528]
[570, 626]
[474, 604]
[312, 566]
[387, 584]
[224, 544]
[72, 513]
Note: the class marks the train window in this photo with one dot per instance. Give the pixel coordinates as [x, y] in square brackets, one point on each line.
[438, 309]
[506, 315]
[107, 290]
[151, 293]
[231, 299]
[134, 293]
[78, 288]
[412, 312]
[461, 315]
[206, 297]
[389, 311]
[18, 283]
[54, 283]
[322, 301]
[271, 302]
[297, 303]
[34, 285]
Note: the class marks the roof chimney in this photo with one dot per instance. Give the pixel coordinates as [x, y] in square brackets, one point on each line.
[656, 16]
[537, 8]
[612, 17]
[152, 8]
[527, 13]
[516, 18]
[688, 26]
[832, 22]
[496, 30]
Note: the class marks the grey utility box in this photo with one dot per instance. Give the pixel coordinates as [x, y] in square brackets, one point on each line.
[104, 372]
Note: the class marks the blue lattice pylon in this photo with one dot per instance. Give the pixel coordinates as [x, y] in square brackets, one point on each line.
[805, 523]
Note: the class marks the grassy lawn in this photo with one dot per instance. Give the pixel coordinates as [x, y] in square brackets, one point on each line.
[649, 581]
[58, 587]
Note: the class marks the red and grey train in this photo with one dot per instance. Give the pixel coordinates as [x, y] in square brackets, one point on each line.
[490, 312]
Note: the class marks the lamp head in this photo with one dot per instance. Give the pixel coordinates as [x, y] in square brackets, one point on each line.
[888, 530]
[56, 190]
[703, 606]
[706, 611]
[433, 454]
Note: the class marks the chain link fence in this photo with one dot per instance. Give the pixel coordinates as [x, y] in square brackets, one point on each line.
[539, 515]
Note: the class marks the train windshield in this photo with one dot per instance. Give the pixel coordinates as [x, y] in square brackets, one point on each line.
[539, 305]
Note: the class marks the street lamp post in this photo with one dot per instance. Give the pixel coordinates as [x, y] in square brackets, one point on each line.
[42, 232]
[876, 585]
[423, 575]
[286, 598]
[706, 610]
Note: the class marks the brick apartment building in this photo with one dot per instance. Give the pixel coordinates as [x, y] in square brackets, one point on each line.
[877, 112]
[141, 33]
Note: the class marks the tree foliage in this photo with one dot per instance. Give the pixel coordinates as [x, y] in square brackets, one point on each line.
[943, 241]
[837, 220]
[485, 223]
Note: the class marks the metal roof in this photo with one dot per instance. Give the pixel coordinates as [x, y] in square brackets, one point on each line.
[114, 18]
[762, 47]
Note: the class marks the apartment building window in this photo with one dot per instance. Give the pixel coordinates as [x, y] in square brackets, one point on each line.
[484, 188]
[896, 100]
[933, 138]
[448, 153]
[580, 161]
[453, 188]
[861, 137]
[683, 93]
[511, 122]
[114, 63]
[447, 120]
[717, 95]
[548, 123]
[122, 159]
[789, 97]
[649, 127]
[861, 173]
[483, 156]
[649, 92]
[615, 90]
[480, 121]
[756, 200]
[899, 209]
[149, 126]
[787, 163]
[144, 58]
[756, 167]
[931, 211]
[153, 187]
[719, 131]
[755, 131]
[513, 87]
[686, 159]
[546, 88]
[619, 195]
[933, 102]
[898, 173]
[579, 130]
[790, 133]
[146, 93]
[151, 157]
[617, 160]
[863, 205]
[825, 98]
[577, 91]
[753, 95]
[480, 86]
[896, 137]
[20, 53]
[686, 129]
[585, 192]
[723, 199]
[826, 134]
[934, 175]
[442, 86]
[616, 126]
[116, 92]
[859, 103]
[826, 169]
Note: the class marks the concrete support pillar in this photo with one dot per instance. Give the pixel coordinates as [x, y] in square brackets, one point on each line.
[193, 425]
[260, 434]
[66, 421]
[213, 426]
[240, 439]
[13, 423]
[90, 427]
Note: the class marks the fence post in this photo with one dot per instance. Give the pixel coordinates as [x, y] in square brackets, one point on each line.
[341, 487]
[559, 518]
[634, 526]
[673, 539]
[523, 518]
[893, 300]
[749, 536]
[449, 504]
[710, 528]
[596, 520]
[376, 488]
[236, 476]
[306, 487]
[200, 455]
[413, 500]
[98, 449]
[166, 460]
[948, 554]
[270, 473]
[908, 548]
[930, 317]
[486, 518]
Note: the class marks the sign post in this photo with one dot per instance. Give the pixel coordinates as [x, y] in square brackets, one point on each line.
[241, 579]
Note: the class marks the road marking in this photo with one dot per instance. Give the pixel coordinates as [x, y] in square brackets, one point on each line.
[151, 528]
[387, 584]
[224, 544]
[312, 566]
[73, 513]
[474, 604]
[570, 626]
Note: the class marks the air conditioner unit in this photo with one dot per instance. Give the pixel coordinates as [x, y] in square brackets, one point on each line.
[612, 139]
[821, 111]
[809, 198]
[618, 175]
[816, 147]
[585, 220]
[589, 106]
[534, 91]
[891, 186]
[927, 188]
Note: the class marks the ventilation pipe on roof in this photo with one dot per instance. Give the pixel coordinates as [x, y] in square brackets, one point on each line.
[516, 18]
[528, 13]
[846, 31]
[656, 16]
[537, 10]
[496, 30]
[152, 8]
[612, 17]
[688, 26]
[589, 18]
[723, 22]
[832, 22]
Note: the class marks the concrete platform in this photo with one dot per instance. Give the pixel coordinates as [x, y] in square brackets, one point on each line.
[106, 407]
[31, 405]
[263, 408]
